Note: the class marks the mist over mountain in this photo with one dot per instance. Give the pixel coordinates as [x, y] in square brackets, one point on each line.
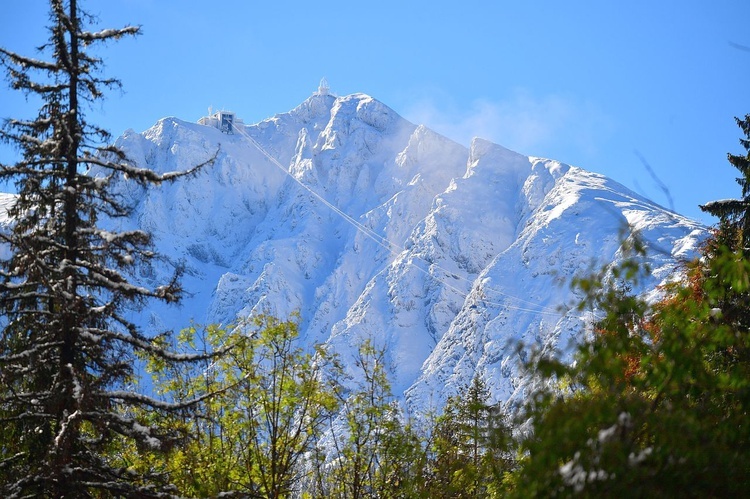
[373, 227]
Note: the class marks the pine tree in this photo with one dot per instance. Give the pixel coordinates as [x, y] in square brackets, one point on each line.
[737, 211]
[67, 349]
[470, 448]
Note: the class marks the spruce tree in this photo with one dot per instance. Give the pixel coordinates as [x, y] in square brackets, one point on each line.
[470, 448]
[67, 348]
[736, 212]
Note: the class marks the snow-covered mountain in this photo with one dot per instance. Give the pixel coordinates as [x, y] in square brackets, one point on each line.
[372, 227]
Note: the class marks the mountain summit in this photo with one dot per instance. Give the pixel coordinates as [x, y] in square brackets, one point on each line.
[372, 227]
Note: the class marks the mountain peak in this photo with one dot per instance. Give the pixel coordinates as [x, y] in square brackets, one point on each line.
[314, 107]
[498, 158]
[372, 227]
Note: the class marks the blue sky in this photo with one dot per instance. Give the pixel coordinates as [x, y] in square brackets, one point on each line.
[642, 91]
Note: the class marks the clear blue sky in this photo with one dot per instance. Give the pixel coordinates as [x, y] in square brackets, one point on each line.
[607, 86]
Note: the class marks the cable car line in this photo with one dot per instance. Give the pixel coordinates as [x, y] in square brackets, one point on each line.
[392, 247]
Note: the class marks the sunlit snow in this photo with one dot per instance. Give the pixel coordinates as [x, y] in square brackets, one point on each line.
[460, 252]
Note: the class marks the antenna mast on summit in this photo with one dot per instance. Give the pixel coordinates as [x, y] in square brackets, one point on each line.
[323, 88]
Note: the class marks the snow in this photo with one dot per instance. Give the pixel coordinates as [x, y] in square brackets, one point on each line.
[144, 433]
[77, 388]
[634, 459]
[446, 256]
[479, 247]
[573, 474]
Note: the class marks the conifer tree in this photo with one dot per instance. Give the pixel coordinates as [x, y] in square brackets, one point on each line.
[737, 211]
[470, 448]
[67, 349]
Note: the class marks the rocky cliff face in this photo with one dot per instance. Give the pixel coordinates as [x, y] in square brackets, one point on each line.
[372, 227]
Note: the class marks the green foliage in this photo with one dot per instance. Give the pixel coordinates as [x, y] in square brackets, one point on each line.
[270, 407]
[366, 435]
[657, 401]
[470, 446]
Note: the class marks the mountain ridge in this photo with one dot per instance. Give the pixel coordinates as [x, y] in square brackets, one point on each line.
[445, 256]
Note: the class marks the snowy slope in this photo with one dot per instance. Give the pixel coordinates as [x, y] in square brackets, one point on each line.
[373, 227]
